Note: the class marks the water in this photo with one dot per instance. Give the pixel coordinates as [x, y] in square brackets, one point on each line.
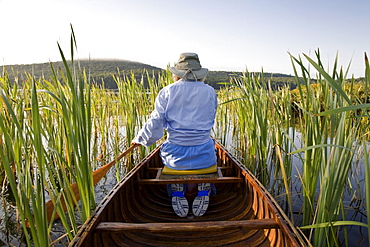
[353, 198]
[10, 229]
[10, 232]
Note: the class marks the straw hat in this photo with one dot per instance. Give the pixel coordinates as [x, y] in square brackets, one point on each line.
[188, 67]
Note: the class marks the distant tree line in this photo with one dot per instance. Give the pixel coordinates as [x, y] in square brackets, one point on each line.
[102, 71]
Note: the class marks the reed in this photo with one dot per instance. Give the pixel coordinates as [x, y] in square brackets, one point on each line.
[46, 135]
[225, 127]
[367, 184]
[55, 132]
[252, 111]
[77, 126]
[330, 125]
[282, 135]
[366, 150]
[23, 153]
[329, 145]
[263, 128]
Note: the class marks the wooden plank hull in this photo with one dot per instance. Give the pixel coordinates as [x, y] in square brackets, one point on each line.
[139, 213]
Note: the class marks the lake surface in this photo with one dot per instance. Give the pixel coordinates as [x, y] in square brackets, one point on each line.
[353, 200]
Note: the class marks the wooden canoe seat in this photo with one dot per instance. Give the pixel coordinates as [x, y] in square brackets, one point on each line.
[212, 174]
[168, 171]
[187, 226]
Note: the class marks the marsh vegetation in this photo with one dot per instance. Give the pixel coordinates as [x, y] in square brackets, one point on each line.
[56, 131]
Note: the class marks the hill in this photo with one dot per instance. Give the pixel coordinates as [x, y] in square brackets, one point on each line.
[98, 70]
[102, 70]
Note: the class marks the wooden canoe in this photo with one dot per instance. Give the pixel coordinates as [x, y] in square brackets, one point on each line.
[138, 212]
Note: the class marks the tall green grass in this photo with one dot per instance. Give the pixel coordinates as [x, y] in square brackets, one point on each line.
[55, 131]
[250, 93]
[367, 184]
[38, 163]
[330, 142]
[325, 111]
[261, 123]
[22, 154]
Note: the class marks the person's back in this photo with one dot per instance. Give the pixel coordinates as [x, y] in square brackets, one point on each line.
[190, 111]
[186, 109]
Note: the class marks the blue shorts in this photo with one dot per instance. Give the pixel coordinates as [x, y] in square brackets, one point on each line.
[189, 157]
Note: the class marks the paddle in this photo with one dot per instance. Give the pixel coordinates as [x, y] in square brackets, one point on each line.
[97, 175]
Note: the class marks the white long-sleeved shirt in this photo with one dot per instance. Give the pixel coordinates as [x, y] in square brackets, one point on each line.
[186, 109]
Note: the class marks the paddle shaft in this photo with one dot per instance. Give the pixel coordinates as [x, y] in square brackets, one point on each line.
[97, 176]
[99, 173]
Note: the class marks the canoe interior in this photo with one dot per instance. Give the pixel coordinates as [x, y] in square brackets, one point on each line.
[135, 213]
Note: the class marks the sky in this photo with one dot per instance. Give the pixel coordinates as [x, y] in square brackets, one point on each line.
[231, 35]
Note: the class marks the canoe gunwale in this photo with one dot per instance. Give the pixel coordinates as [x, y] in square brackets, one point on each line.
[272, 219]
[92, 222]
[280, 216]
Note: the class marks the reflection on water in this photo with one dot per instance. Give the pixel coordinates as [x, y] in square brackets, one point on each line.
[353, 198]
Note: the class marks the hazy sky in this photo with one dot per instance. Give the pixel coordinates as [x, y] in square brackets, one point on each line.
[228, 35]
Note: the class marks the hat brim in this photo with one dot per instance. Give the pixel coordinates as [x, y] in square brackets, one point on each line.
[198, 73]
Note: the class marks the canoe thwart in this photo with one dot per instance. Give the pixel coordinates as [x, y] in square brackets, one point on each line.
[190, 181]
[187, 226]
[215, 177]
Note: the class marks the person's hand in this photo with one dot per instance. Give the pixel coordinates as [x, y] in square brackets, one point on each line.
[135, 144]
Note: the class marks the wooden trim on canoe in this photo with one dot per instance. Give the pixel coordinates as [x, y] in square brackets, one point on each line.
[185, 180]
[242, 213]
[284, 222]
[199, 180]
[187, 226]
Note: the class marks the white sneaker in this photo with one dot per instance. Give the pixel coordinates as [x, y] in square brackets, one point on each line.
[179, 203]
[201, 201]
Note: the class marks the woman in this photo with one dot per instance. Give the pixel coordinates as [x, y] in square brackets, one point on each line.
[186, 109]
